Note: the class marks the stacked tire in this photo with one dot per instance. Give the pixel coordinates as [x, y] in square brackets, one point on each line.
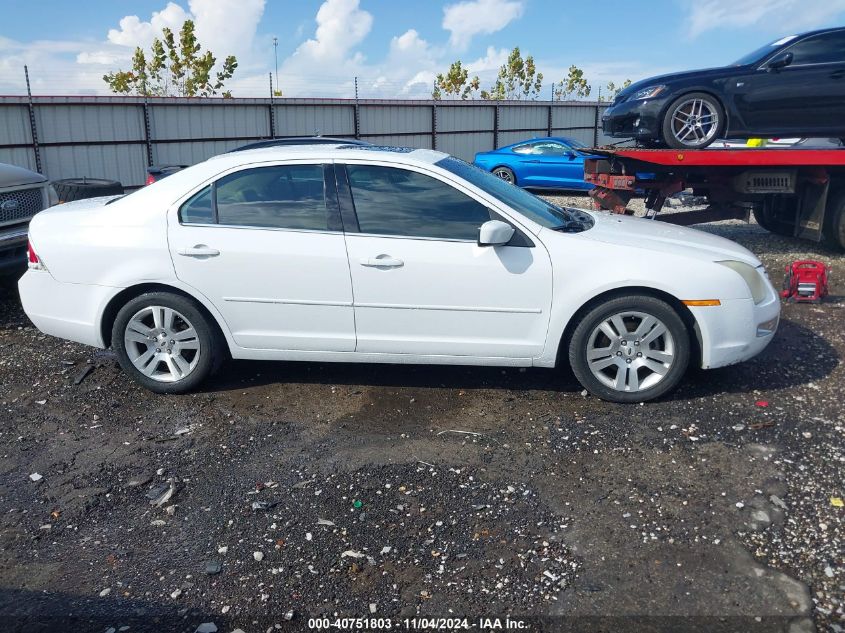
[70, 189]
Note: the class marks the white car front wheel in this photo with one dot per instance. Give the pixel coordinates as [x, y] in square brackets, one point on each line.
[630, 349]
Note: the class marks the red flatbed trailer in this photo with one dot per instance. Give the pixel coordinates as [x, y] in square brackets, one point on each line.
[797, 192]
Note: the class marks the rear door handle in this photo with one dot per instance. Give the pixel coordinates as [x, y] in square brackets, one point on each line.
[839, 74]
[382, 261]
[199, 250]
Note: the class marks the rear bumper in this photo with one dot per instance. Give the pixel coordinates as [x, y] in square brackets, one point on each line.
[735, 331]
[633, 119]
[64, 310]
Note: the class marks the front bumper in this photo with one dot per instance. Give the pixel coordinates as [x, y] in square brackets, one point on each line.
[13, 250]
[736, 331]
[634, 119]
[65, 310]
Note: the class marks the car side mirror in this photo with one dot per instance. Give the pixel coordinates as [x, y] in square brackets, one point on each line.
[495, 233]
[780, 61]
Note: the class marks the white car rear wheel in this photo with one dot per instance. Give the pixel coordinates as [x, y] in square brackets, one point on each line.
[165, 342]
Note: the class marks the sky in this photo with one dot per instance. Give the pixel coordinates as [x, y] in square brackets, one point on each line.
[394, 47]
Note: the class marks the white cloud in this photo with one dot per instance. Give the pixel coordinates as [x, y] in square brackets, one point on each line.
[493, 60]
[341, 25]
[467, 19]
[409, 42]
[225, 27]
[134, 32]
[778, 16]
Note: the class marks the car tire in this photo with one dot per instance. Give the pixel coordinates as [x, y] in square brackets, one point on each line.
[692, 107]
[70, 189]
[656, 345]
[834, 220]
[175, 360]
[769, 216]
[505, 173]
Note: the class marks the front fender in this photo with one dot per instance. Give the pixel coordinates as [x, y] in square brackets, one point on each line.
[585, 270]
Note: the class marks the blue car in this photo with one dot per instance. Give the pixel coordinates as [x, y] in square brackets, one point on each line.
[542, 163]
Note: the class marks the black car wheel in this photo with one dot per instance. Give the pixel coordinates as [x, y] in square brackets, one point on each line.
[70, 189]
[693, 121]
[505, 174]
[776, 214]
[834, 220]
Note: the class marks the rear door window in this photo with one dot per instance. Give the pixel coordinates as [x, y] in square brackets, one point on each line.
[198, 209]
[280, 197]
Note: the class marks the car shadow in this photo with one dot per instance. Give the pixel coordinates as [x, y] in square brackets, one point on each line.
[28, 611]
[797, 356]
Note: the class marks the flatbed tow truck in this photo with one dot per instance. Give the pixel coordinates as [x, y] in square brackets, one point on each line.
[793, 192]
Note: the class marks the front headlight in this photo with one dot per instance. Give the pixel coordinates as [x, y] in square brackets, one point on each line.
[52, 196]
[753, 278]
[647, 93]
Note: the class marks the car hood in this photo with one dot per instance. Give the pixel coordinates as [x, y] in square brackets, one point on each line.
[14, 176]
[655, 235]
[705, 73]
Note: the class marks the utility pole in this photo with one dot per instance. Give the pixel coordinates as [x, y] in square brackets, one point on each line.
[276, 57]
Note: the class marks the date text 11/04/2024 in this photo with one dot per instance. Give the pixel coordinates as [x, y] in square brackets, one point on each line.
[440, 624]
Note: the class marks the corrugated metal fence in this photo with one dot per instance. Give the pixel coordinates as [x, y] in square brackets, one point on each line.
[118, 137]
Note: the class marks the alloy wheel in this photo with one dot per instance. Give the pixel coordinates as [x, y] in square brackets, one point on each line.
[630, 351]
[504, 174]
[162, 344]
[694, 122]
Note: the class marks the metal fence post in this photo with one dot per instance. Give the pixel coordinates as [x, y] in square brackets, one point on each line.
[357, 112]
[596, 128]
[433, 126]
[549, 122]
[272, 110]
[147, 134]
[33, 128]
[496, 126]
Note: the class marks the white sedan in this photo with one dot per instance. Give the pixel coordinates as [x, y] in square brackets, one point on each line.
[387, 255]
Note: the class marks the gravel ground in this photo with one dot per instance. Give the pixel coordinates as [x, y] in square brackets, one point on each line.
[288, 491]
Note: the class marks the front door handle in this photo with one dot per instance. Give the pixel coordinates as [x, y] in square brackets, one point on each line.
[382, 261]
[200, 250]
[839, 74]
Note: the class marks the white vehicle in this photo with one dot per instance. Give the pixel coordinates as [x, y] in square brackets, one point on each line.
[387, 255]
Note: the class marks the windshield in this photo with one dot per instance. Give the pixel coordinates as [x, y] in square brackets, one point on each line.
[543, 213]
[755, 56]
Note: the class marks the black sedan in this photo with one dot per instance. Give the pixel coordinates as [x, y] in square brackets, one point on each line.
[794, 86]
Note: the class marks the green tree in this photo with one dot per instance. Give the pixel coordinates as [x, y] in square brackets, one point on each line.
[613, 90]
[518, 79]
[173, 69]
[455, 83]
[574, 86]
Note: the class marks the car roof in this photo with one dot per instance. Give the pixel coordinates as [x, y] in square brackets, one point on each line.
[299, 140]
[331, 152]
[539, 139]
[832, 29]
